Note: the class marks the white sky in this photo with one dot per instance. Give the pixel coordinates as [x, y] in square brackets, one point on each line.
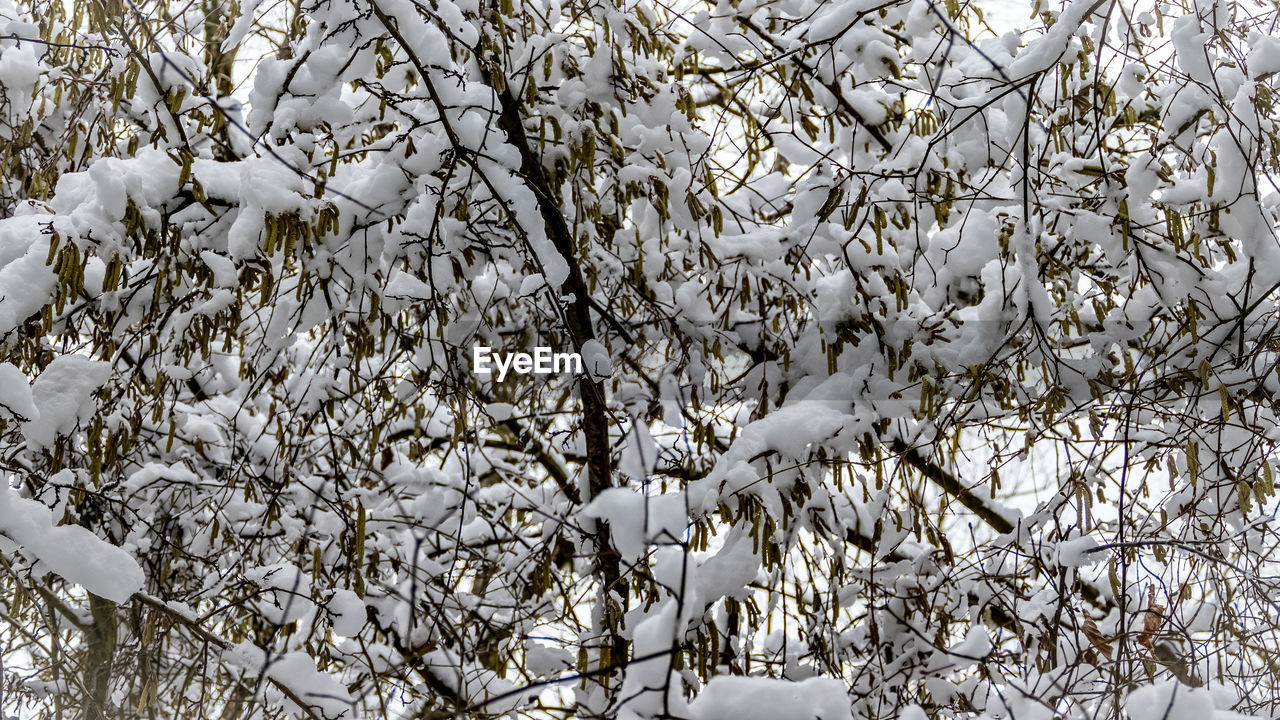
[1004, 15]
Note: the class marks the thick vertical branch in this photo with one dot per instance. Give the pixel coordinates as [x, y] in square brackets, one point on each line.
[217, 25]
[595, 418]
[581, 330]
[100, 648]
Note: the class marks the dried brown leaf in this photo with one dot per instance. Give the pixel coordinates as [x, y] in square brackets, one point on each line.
[1096, 638]
[1152, 619]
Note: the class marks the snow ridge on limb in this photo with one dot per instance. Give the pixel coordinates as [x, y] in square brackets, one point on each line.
[73, 552]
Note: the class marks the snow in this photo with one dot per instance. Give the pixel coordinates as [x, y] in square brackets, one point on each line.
[1169, 700]
[913, 712]
[1078, 552]
[63, 393]
[93, 202]
[15, 393]
[347, 611]
[824, 411]
[546, 660]
[70, 551]
[18, 69]
[1046, 50]
[531, 284]
[636, 520]
[1191, 49]
[499, 411]
[639, 454]
[26, 282]
[224, 270]
[727, 573]
[285, 595]
[595, 360]
[402, 285]
[296, 671]
[1197, 616]
[242, 26]
[647, 685]
[729, 697]
[974, 648]
[1264, 56]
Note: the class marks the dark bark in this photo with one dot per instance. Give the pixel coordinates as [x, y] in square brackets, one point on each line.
[595, 415]
[100, 649]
